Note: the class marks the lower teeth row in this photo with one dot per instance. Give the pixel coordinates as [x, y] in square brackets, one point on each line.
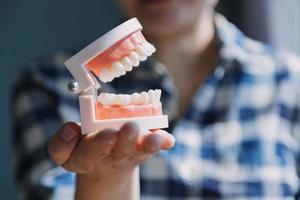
[144, 98]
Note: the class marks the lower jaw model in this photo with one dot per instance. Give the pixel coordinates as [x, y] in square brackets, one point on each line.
[113, 55]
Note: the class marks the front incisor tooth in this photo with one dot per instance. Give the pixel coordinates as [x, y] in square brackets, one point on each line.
[118, 69]
[134, 57]
[141, 52]
[127, 64]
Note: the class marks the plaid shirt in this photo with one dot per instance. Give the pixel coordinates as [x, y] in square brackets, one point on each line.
[239, 138]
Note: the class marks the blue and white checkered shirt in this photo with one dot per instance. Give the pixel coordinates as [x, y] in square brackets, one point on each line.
[239, 138]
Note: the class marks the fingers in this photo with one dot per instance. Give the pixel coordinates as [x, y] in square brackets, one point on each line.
[127, 141]
[168, 140]
[106, 149]
[62, 144]
[91, 150]
[158, 140]
[151, 143]
[96, 146]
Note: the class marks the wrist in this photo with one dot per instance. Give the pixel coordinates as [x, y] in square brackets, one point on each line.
[116, 186]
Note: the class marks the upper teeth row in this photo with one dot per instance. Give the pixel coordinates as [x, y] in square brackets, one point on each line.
[119, 68]
[150, 97]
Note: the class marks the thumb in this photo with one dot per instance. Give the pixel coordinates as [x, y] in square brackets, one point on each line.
[62, 144]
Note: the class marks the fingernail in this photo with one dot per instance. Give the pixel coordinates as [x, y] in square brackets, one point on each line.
[173, 141]
[67, 133]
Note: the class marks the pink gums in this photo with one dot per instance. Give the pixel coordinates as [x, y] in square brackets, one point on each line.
[116, 112]
[116, 52]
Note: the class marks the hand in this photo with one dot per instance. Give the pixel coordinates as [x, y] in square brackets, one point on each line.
[107, 153]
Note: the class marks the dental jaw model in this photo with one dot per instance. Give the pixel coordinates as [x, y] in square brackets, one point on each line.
[109, 57]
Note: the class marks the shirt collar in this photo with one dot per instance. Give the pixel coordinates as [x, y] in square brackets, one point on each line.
[230, 41]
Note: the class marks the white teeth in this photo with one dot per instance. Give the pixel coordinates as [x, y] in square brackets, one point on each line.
[106, 99]
[134, 57]
[118, 69]
[141, 52]
[135, 99]
[127, 64]
[106, 75]
[154, 96]
[144, 98]
[157, 95]
[121, 100]
[151, 97]
[147, 50]
[125, 100]
[150, 47]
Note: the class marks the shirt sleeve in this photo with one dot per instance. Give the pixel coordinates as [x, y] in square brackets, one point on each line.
[36, 115]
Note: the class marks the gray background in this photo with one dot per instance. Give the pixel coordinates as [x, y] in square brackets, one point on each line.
[30, 28]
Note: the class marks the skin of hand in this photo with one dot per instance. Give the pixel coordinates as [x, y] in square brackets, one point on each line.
[107, 155]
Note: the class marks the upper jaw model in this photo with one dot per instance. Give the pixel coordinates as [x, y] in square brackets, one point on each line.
[109, 57]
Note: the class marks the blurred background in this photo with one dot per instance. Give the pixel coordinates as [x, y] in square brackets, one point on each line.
[34, 28]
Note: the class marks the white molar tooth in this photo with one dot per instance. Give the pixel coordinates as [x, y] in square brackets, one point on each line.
[144, 98]
[147, 50]
[106, 75]
[122, 100]
[127, 64]
[118, 69]
[142, 58]
[125, 100]
[114, 100]
[105, 99]
[157, 95]
[135, 99]
[134, 57]
[110, 78]
[140, 50]
[152, 97]
[150, 47]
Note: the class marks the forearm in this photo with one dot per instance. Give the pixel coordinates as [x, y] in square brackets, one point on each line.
[124, 186]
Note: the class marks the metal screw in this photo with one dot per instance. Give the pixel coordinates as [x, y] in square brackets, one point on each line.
[73, 87]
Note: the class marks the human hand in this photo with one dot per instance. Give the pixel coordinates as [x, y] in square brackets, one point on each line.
[107, 153]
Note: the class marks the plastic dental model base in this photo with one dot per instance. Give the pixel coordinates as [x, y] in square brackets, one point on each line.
[109, 57]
